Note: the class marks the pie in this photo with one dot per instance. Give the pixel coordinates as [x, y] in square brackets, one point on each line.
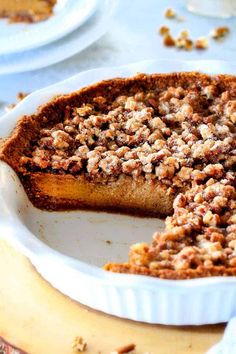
[26, 10]
[159, 145]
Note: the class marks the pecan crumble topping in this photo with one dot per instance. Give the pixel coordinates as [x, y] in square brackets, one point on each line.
[177, 136]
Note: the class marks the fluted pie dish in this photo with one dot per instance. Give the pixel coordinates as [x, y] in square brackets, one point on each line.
[158, 144]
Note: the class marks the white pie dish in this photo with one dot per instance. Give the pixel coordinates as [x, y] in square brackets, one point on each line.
[71, 261]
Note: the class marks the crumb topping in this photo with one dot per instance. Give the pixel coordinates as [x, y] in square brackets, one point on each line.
[176, 136]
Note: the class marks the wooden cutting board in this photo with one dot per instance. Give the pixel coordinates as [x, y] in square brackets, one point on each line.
[40, 320]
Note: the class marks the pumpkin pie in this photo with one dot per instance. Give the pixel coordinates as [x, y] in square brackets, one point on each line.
[159, 145]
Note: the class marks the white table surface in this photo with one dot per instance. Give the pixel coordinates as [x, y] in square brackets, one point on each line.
[133, 37]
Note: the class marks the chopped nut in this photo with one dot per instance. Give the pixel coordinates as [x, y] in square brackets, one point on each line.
[84, 110]
[201, 43]
[9, 107]
[61, 139]
[20, 96]
[125, 349]
[168, 40]
[79, 345]
[184, 34]
[163, 30]
[232, 244]
[209, 91]
[184, 43]
[169, 13]
[219, 32]
[232, 262]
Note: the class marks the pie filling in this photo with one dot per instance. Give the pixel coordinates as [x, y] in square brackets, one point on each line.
[152, 144]
[26, 10]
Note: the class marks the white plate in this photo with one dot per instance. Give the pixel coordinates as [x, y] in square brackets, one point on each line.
[64, 48]
[68, 248]
[68, 15]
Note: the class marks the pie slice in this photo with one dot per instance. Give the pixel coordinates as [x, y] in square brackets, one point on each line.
[161, 144]
[26, 10]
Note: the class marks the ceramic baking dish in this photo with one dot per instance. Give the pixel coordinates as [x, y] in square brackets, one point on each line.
[69, 248]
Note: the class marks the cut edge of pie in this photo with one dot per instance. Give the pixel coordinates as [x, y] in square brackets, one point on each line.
[197, 242]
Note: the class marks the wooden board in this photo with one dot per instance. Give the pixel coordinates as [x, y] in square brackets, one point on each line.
[40, 320]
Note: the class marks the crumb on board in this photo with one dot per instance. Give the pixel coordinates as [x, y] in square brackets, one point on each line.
[219, 32]
[201, 43]
[79, 345]
[163, 30]
[124, 349]
[19, 97]
[169, 13]
[168, 40]
[109, 242]
[184, 34]
[183, 41]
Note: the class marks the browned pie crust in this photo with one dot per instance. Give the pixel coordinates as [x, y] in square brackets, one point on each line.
[151, 144]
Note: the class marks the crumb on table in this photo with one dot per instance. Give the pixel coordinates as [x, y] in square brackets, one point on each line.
[124, 349]
[169, 13]
[79, 344]
[201, 43]
[220, 32]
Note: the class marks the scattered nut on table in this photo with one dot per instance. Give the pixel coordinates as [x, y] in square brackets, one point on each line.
[20, 96]
[163, 30]
[219, 32]
[169, 13]
[168, 40]
[201, 43]
[79, 344]
[125, 349]
[183, 41]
